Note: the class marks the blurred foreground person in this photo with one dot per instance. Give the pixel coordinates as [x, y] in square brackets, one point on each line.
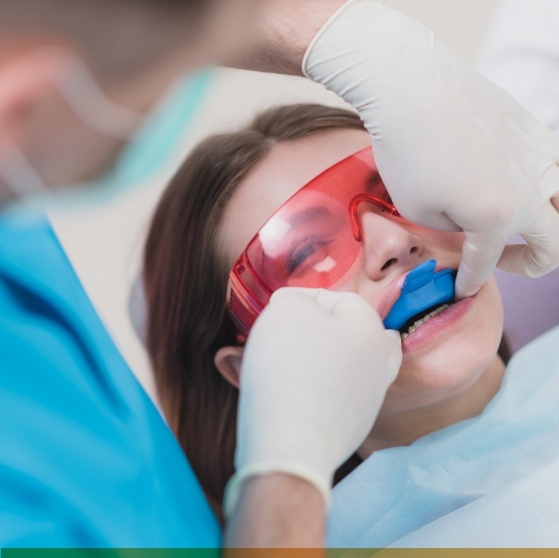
[86, 460]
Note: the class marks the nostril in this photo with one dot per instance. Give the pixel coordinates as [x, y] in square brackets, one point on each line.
[388, 263]
[414, 250]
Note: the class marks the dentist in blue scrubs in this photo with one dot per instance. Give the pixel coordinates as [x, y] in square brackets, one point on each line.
[85, 458]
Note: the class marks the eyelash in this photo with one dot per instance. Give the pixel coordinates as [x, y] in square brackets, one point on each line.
[306, 248]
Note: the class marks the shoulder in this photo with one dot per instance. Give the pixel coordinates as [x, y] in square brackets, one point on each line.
[85, 458]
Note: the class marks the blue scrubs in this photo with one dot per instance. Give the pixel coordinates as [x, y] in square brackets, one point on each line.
[85, 458]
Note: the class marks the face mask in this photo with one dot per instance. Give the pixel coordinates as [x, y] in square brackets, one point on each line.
[89, 103]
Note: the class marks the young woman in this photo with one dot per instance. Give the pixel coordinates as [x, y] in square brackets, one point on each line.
[224, 193]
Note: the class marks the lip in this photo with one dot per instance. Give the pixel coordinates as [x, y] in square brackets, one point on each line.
[441, 323]
[393, 292]
[391, 295]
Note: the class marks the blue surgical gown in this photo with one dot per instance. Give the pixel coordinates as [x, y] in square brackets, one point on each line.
[85, 458]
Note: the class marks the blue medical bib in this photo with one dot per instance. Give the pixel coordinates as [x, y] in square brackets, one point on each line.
[85, 458]
[492, 480]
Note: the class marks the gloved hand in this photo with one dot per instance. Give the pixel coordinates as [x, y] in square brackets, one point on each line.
[315, 371]
[456, 152]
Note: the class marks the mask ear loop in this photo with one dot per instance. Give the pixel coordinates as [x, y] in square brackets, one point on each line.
[84, 95]
[354, 208]
[20, 177]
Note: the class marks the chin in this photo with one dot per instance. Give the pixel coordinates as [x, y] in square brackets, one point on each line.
[443, 365]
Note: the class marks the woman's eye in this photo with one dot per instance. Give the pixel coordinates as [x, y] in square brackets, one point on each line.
[302, 254]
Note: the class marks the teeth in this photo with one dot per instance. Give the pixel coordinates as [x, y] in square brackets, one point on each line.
[425, 319]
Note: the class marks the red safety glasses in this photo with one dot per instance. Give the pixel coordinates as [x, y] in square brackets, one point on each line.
[311, 240]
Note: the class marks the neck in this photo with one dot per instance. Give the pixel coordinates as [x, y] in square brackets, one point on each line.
[403, 428]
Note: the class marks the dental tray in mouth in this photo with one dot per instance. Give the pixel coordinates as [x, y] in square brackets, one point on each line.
[423, 291]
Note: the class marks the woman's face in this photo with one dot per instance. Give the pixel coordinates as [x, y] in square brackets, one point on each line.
[442, 358]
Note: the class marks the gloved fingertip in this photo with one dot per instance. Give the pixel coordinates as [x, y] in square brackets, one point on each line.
[464, 288]
[289, 292]
[461, 294]
[394, 336]
[328, 300]
[281, 293]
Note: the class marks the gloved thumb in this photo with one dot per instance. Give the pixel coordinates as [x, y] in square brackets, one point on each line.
[331, 302]
[394, 341]
[480, 254]
[394, 337]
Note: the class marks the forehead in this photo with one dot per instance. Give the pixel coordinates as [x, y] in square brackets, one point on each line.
[283, 171]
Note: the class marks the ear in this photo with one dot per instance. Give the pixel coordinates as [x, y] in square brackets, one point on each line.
[26, 76]
[228, 361]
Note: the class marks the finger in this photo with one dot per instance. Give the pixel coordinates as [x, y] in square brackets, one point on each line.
[352, 309]
[301, 294]
[330, 301]
[514, 258]
[394, 336]
[342, 303]
[291, 291]
[323, 299]
[541, 253]
[480, 254]
[529, 261]
[549, 182]
[392, 353]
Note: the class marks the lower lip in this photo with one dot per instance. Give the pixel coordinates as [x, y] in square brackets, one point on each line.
[438, 325]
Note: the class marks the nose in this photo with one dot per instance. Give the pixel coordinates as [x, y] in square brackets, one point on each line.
[388, 245]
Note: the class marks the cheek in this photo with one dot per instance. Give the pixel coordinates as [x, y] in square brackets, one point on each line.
[454, 363]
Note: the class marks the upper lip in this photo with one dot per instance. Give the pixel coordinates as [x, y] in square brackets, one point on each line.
[391, 295]
[393, 291]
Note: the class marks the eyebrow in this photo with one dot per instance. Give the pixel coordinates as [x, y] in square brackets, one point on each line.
[373, 180]
[315, 212]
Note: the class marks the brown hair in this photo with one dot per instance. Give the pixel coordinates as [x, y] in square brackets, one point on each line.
[185, 281]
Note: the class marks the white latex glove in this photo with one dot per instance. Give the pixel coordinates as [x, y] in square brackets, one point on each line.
[315, 371]
[455, 151]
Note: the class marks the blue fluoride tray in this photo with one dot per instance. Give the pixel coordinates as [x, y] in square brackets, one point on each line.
[423, 289]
